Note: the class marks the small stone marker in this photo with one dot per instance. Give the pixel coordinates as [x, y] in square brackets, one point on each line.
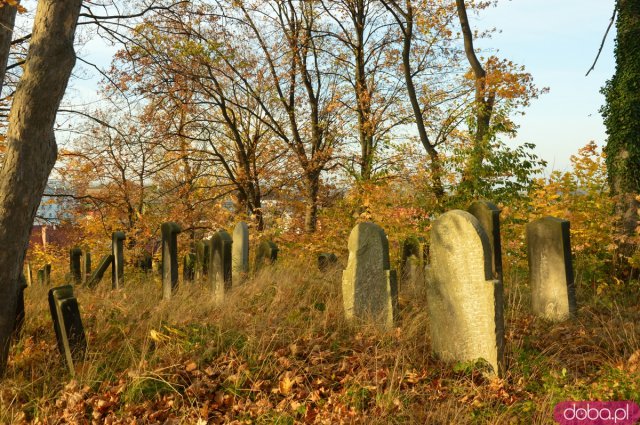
[47, 274]
[75, 257]
[326, 261]
[85, 266]
[67, 324]
[369, 287]
[117, 266]
[465, 309]
[98, 274]
[28, 275]
[266, 254]
[220, 275]
[550, 270]
[169, 258]
[189, 267]
[240, 253]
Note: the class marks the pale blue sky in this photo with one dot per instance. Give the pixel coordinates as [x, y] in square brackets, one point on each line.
[557, 41]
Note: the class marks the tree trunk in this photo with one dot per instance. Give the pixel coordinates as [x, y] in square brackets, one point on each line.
[311, 209]
[7, 20]
[31, 151]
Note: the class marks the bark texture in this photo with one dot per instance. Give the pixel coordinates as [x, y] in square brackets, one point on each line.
[31, 149]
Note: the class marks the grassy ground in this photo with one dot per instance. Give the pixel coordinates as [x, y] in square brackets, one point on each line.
[279, 351]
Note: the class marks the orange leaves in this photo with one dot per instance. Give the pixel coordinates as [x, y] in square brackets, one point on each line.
[13, 3]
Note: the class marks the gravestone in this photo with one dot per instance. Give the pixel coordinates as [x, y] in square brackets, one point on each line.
[202, 260]
[117, 265]
[169, 258]
[28, 275]
[75, 265]
[220, 274]
[189, 267]
[326, 261]
[40, 277]
[240, 253]
[85, 266]
[98, 274]
[47, 274]
[266, 254]
[412, 259]
[369, 286]
[67, 324]
[550, 269]
[465, 308]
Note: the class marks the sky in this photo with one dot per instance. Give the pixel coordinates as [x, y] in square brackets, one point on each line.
[557, 41]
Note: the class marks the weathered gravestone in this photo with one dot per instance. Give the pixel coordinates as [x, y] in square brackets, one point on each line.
[240, 253]
[412, 259]
[326, 261]
[117, 265]
[220, 275]
[85, 266]
[67, 324]
[465, 307]
[550, 269]
[47, 274]
[202, 260]
[189, 267]
[266, 254]
[98, 274]
[75, 265]
[40, 276]
[169, 258]
[369, 287]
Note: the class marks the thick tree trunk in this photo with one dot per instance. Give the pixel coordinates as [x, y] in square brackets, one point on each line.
[31, 151]
[311, 209]
[7, 20]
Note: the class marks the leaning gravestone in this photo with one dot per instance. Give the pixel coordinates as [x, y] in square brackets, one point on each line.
[169, 258]
[117, 266]
[266, 254]
[75, 265]
[369, 287]
[240, 253]
[550, 269]
[67, 324]
[98, 274]
[220, 274]
[465, 307]
[326, 261]
[85, 266]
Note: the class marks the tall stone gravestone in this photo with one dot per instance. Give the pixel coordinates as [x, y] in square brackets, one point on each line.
[189, 267]
[202, 260]
[67, 324]
[117, 266]
[266, 254]
[85, 266]
[240, 253]
[369, 286]
[464, 303]
[47, 274]
[550, 269]
[28, 275]
[412, 259]
[40, 276]
[99, 272]
[75, 265]
[220, 274]
[169, 258]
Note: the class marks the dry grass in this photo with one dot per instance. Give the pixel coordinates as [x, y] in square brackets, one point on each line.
[280, 351]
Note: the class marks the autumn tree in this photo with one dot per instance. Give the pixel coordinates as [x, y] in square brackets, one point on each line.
[621, 114]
